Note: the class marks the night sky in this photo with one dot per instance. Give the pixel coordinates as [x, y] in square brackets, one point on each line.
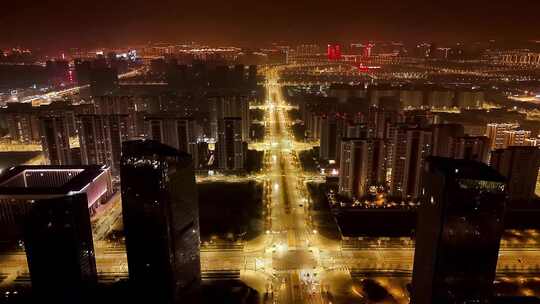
[99, 22]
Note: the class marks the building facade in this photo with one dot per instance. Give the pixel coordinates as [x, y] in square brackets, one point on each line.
[161, 221]
[520, 166]
[458, 232]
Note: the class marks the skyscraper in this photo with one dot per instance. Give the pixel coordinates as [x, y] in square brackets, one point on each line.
[60, 250]
[55, 140]
[520, 166]
[459, 228]
[161, 221]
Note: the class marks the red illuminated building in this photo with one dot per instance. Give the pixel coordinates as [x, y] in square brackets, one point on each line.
[334, 52]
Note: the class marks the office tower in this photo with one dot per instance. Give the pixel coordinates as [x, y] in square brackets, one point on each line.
[231, 154]
[22, 185]
[55, 140]
[520, 166]
[362, 165]
[60, 250]
[459, 228]
[229, 105]
[410, 148]
[515, 138]
[101, 138]
[443, 135]
[496, 131]
[470, 148]
[161, 221]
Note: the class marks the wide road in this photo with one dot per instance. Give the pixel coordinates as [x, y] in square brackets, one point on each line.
[294, 259]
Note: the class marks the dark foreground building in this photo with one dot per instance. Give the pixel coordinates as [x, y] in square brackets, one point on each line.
[21, 186]
[460, 223]
[161, 222]
[60, 250]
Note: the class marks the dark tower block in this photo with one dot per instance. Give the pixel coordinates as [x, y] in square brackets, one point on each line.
[460, 223]
[161, 221]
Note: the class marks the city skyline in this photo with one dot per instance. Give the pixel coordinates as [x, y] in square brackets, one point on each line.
[343, 152]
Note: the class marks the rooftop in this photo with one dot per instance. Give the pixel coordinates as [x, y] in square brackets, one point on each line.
[150, 148]
[464, 169]
[29, 180]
